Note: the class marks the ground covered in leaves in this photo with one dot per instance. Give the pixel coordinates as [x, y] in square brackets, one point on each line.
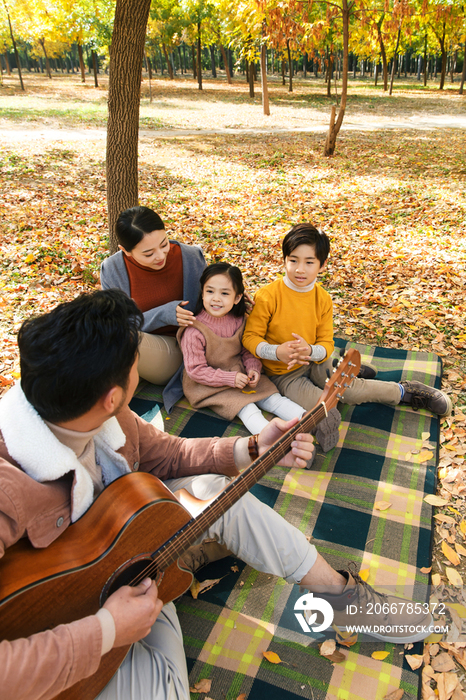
[392, 201]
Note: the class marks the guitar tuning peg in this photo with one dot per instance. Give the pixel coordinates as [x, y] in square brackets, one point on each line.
[328, 373]
[342, 352]
[334, 362]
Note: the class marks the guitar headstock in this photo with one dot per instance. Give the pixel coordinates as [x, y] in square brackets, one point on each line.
[346, 370]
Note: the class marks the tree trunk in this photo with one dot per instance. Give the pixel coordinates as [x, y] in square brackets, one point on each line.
[127, 47]
[463, 74]
[251, 79]
[329, 74]
[225, 63]
[383, 55]
[193, 56]
[290, 63]
[14, 47]
[199, 57]
[444, 59]
[47, 62]
[169, 65]
[335, 126]
[149, 68]
[212, 60]
[425, 59]
[94, 64]
[265, 90]
[7, 63]
[394, 59]
[81, 63]
[283, 72]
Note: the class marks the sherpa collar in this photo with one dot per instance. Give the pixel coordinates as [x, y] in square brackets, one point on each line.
[44, 458]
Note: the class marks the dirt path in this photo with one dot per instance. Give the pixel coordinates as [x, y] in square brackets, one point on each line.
[14, 134]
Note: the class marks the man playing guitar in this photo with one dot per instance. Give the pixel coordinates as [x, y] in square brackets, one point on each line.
[66, 435]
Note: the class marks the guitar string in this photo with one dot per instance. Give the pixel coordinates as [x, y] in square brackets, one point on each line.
[241, 483]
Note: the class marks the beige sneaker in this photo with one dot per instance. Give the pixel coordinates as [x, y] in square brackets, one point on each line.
[360, 609]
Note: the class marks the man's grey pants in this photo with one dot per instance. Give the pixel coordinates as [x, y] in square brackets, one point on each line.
[155, 667]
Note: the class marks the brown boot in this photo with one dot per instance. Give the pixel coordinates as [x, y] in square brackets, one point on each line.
[200, 555]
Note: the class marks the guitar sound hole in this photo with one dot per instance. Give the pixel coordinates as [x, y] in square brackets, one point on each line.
[129, 574]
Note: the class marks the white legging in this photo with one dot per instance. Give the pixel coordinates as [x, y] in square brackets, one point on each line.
[277, 404]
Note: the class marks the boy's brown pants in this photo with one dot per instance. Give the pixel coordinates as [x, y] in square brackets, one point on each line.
[304, 385]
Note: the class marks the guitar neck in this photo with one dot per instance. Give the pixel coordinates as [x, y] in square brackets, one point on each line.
[343, 376]
[185, 537]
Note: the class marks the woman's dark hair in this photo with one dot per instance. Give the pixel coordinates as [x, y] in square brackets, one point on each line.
[307, 234]
[133, 224]
[236, 278]
[73, 355]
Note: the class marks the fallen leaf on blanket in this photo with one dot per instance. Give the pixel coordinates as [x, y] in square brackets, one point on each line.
[414, 660]
[425, 436]
[364, 574]
[460, 549]
[445, 518]
[395, 695]
[450, 554]
[436, 579]
[241, 696]
[234, 568]
[443, 663]
[408, 456]
[272, 657]
[428, 671]
[426, 570]
[434, 649]
[423, 456]
[249, 392]
[327, 647]
[198, 587]
[435, 500]
[336, 658]
[202, 686]
[453, 576]
[380, 655]
[347, 641]
[382, 505]
[463, 527]
[446, 684]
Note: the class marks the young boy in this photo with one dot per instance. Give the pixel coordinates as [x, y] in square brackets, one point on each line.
[290, 328]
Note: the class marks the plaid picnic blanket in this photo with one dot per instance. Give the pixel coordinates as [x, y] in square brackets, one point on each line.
[379, 457]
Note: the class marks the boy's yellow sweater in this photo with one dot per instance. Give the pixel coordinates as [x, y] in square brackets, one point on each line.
[280, 311]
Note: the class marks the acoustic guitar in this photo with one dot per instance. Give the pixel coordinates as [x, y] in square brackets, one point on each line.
[135, 528]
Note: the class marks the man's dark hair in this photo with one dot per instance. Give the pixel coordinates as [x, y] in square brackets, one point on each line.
[73, 355]
[236, 278]
[307, 234]
[133, 224]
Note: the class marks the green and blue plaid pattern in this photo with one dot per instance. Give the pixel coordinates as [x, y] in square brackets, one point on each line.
[227, 629]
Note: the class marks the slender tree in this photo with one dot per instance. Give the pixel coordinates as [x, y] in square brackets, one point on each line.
[126, 52]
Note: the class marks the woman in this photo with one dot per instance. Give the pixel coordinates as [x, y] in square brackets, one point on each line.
[162, 277]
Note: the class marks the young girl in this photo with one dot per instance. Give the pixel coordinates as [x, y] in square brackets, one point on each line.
[219, 372]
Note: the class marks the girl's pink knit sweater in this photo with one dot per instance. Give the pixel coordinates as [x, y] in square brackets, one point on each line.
[193, 346]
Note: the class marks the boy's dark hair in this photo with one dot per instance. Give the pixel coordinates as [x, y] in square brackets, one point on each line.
[236, 278]
[133, 224]
[307, 234]
[73, 355]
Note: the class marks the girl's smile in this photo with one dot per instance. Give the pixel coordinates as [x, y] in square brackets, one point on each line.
[218, 296]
